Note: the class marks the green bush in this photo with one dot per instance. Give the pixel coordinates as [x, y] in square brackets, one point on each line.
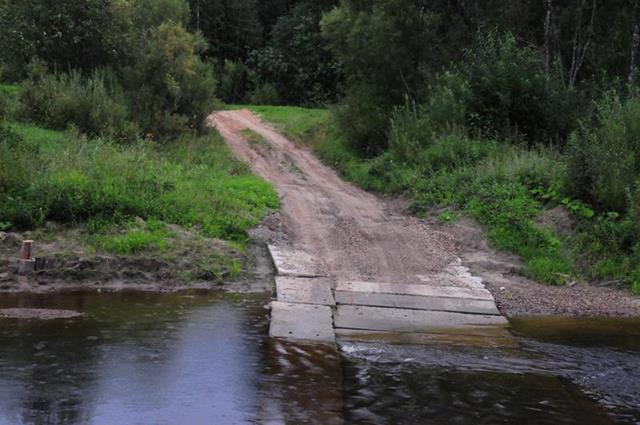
[8, 102]
[171, 89]
[363, 119]
[502, 91]
[59, 100]
[448, 101]
[236, 82]
[604, 154]
[192, 181]
[265, 94]
[415, 138]
[410, 131]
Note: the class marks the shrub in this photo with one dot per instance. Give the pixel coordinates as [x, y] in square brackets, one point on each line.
[235, 82]
[634, 208]
[604, 155]
[502, 91]
[265, 94]
[8, 102]
[171, 88]
[431, 143]
[410, 131]
[59, 100]
[448, 101]
[363, 119]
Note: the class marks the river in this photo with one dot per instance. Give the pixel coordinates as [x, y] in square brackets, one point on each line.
[206, 358]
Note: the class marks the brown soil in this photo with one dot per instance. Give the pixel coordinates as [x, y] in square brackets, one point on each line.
[358, 236]
[64, 263]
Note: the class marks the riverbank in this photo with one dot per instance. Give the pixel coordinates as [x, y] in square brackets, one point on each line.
[157, 216]
[188, 261]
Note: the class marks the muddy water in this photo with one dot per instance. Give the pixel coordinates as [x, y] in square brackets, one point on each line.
[207, 359]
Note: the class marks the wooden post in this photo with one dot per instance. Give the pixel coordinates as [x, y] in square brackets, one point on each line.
[26, 264]
[25, 252]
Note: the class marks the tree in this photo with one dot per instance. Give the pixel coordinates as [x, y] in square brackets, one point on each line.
[297, 60]
[635, 43]
[387, 50]
[67, 34]
[231, 27]
[173, 87]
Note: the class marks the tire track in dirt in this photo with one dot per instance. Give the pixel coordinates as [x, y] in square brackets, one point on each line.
[352, 232]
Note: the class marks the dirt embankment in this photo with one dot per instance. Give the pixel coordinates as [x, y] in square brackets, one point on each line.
[191, 262]
[358, 236]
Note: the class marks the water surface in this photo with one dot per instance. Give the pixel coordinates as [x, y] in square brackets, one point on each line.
[205, 358]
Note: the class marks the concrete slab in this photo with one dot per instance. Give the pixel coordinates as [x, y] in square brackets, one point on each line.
[403, 320]
[304, 290]
[494, 337]
[290, 262]
[415, 289]
[301, 322]
[460, 305]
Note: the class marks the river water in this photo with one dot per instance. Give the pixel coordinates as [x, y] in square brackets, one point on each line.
[206, 358]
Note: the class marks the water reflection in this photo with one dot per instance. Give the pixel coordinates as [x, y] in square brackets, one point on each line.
[305, 384]
[203, 358]
[169, 360]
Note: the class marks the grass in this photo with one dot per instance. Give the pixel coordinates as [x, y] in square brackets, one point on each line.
[505, 188]
[194, 182]
[254, 138]
[299, 124]
[8, 89]
[134, 237]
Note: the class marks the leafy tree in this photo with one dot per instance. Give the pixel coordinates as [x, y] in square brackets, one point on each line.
[67, 34]
[297, 60]
[231, 27]
[171, 85]
[384, 49]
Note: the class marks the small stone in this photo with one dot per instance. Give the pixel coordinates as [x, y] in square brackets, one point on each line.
[502, 288]
[4, 277]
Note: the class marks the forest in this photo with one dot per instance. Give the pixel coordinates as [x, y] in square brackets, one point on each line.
[498, 110]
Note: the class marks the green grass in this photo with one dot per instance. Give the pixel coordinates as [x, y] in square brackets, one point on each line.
[505, 188]
[299, 124]
[254, 138]
[134, 238]
[46, 140]
[194, 182]
[8, 89]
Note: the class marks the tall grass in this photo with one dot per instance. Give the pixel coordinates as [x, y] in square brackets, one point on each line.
[193, 182]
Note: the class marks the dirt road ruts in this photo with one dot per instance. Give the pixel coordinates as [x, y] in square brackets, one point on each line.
[352, 232]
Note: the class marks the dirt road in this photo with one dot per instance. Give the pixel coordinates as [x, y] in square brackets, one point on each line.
[356, 236]
[352, 233]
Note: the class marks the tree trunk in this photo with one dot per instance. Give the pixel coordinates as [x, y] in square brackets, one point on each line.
[635, 42]
[547, 37]
[581, 42]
